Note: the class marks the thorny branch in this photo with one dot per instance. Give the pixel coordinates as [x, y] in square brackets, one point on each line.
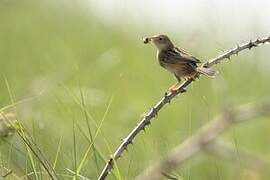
[204, 137]
[167, 98]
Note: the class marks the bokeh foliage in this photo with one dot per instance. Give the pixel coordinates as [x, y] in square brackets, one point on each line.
[67, 67]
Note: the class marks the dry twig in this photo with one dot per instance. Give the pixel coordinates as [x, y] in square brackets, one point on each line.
[228, 152]
[204, 137]
[167, 98]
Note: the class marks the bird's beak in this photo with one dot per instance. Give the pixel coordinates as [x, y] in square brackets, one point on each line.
[147, 40]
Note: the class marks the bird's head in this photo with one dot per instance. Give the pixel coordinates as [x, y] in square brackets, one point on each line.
[162, 42]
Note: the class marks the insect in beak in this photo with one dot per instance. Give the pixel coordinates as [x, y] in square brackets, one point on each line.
[147, 40]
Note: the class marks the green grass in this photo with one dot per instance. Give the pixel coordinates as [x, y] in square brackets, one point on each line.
[84, 85]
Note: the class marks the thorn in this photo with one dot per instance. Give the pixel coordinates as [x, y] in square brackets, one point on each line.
[205, 65]
[250, 45]
[110, 160]
[144, 129]
[147, 123]
[237, 47]
[168, 101]
[122, 139]
[183, 90]
[154, 112]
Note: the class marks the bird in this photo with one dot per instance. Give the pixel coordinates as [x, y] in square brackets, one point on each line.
[177, 61]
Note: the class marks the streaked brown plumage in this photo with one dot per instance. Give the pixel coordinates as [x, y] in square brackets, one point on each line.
[176, 61]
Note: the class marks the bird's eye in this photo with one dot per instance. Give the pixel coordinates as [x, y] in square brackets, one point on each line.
[160, 38]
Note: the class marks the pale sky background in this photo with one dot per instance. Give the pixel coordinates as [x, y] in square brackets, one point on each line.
[248, 17]
[193, 24]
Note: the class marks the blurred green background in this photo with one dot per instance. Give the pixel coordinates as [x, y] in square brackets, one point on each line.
[72, 62]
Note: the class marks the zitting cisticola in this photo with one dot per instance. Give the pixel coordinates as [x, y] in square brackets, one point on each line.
[176, 61]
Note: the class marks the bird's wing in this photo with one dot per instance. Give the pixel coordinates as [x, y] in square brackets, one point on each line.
[176, 56]
[187, 56]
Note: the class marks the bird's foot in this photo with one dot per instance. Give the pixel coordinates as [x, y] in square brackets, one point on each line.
[173, 91]
[173, 88]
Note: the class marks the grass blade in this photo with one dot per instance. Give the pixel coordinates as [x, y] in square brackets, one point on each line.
[58, 151]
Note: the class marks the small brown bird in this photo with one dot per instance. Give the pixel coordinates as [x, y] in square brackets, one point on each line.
[176, 61]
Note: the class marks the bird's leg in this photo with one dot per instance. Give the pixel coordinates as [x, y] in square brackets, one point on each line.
[174, 87]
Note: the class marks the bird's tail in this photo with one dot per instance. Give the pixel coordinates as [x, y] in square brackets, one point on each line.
[207, 71]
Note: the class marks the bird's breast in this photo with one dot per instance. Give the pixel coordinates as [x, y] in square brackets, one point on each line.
[163, 62]
[180, 69]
